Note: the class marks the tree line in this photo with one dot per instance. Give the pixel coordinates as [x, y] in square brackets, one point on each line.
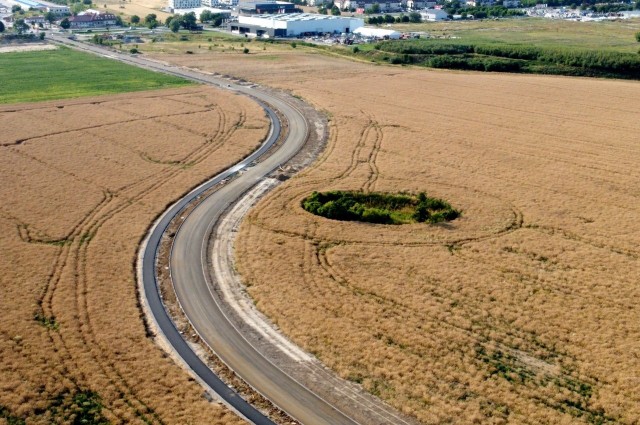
[413, 17]
[507, 58]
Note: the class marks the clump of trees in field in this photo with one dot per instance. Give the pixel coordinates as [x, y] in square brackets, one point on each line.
[413, 17]
[187, 21]
[380, 208]
[215, 19]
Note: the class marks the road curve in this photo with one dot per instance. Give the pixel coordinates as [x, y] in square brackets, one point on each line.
[191, 276]
[191, 279]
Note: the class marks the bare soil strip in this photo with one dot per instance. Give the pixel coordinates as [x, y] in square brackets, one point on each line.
[27, 48]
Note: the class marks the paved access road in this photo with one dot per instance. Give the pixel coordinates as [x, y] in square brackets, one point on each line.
[191, 276]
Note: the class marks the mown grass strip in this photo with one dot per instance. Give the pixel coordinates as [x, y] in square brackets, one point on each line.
[65, 73]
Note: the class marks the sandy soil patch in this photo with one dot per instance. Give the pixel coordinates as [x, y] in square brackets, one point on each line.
[141, 8]
[27, 48]
[523, 310]
[82, 181]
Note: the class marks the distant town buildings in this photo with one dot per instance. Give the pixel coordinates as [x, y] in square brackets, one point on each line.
[195, 4]
[420, 4]
[511, 3]
[93, 20]
[34, 20]
[268, 7]
[185, 4]
[295, 24]
[475, 3]
[362, 5]
[56, 9]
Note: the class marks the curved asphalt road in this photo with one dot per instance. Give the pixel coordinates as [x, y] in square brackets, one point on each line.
[191, 276]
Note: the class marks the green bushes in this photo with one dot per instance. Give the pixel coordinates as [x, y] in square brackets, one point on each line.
[507, 58]
[380, 208]
[423, 47]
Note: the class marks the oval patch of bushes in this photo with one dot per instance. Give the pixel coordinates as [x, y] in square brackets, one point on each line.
[380, 208]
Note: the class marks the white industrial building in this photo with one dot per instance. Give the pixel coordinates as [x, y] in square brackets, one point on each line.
[54, 8]
[434, 15]
[295, 24]
[378, 33]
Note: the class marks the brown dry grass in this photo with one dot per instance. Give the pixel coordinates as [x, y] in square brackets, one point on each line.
[81, 182]
[523, 311]
[137, 7]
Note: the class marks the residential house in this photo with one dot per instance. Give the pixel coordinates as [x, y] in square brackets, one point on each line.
[93, 20]
[34, 20]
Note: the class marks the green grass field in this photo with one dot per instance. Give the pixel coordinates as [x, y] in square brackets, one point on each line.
[64, 73]
[615, 36]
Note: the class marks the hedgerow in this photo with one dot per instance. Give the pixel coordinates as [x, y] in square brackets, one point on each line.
[506, 58]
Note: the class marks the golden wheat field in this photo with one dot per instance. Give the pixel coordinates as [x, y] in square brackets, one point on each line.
[82, 180]
[522, 311]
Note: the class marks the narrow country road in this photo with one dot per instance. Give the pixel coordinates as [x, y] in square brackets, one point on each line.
[190, 274]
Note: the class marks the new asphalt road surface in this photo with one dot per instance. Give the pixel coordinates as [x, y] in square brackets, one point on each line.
[191, 276]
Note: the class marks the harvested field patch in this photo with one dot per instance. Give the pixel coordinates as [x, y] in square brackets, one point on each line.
[77, 199]
[521, 311]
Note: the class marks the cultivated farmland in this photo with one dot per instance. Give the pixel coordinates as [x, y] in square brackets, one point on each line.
[82, 180]
[521, 311]
[34, 76]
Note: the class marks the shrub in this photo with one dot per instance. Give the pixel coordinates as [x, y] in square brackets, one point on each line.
[376, 215]
[245, 51]
[380, 208]
[134, 51]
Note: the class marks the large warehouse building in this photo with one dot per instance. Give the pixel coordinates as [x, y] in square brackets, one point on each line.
[295, 24]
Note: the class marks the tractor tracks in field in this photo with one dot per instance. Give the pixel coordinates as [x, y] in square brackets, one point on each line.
[64, 305]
